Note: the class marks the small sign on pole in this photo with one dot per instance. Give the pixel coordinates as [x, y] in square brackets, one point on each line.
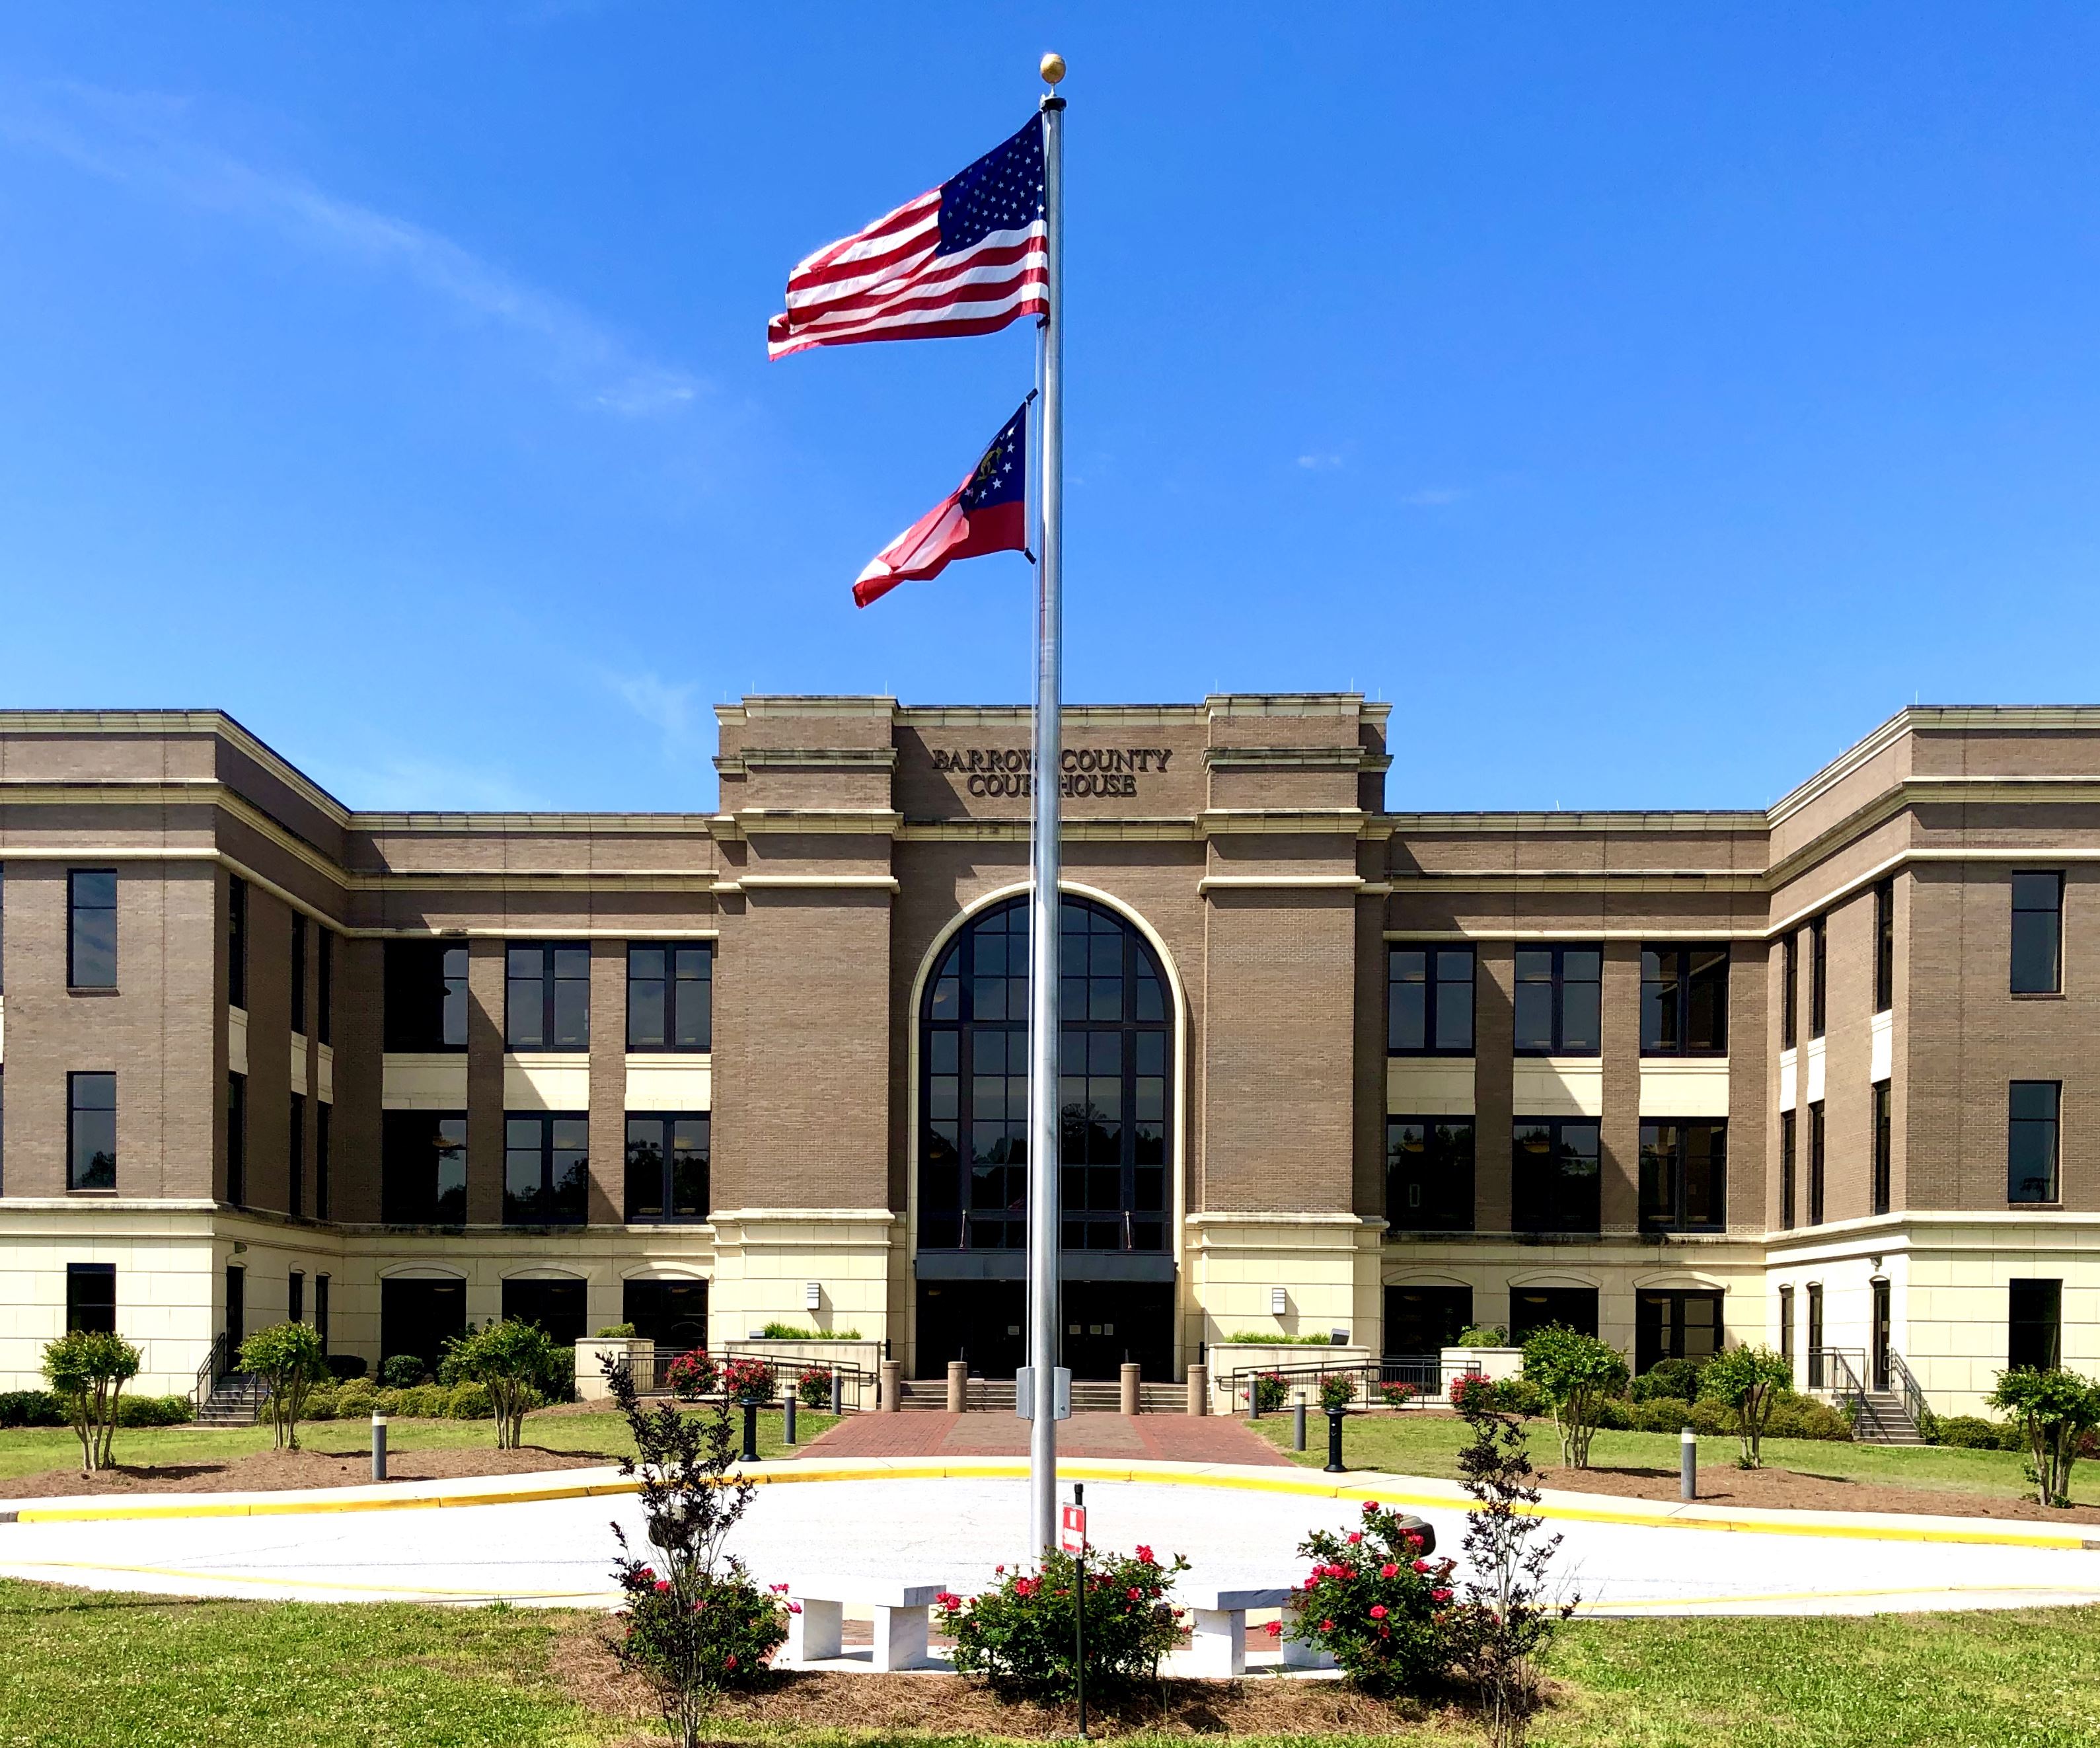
[1072, 1529]
[1024, 1392]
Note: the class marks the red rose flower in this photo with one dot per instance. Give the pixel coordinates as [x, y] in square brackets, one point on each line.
[1378, 1611]
[1356, 1535]
[1370, 1508]
[1440, 1596]
[1274, 1629]
[1421, 1565]
[729, 1662]
[1388, 1570]
[1326, 1626]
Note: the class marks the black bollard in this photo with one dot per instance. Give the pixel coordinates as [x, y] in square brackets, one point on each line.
[838, 1393]
[750, 1432]
[787, 1412]
[1687, 1464]
[1298, 1426]
[379, 1447]
[1334, 1442]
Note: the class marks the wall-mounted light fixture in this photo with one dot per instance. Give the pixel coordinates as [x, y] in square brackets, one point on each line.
[1279, 1302]
[812, 1296]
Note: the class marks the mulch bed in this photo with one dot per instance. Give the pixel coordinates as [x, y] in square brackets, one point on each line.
[1790, 1490]
[950, 1705]
[267, 1471]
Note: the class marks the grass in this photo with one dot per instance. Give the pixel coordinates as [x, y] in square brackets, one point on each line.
[135, 1672]
[31, 1450]
[1418, 1444]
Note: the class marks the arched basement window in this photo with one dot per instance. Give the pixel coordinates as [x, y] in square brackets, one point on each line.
[1115, 1062]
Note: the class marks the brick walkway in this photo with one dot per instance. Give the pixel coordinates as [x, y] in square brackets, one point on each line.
[1164, 1438]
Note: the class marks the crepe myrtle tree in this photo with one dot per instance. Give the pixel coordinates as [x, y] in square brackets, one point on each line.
[1747, 1381]
[87, 1369]
[1575, 1373]
[2055, 1409]
[510, 1357]
[288, 1358]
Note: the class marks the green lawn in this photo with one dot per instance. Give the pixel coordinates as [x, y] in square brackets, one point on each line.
[30, 1451]
[1428, 1445]
[133, 1672]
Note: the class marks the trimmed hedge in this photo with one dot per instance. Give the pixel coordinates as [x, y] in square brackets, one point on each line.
[1973, 1432]
[40, 1408]
[30, 1408]
[152, 1411]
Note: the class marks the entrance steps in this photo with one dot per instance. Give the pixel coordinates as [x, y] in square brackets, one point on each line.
[1090, 1396]
[1882, 1419]
[236, 1400]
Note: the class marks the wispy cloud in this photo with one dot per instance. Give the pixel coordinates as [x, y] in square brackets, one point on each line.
[1319, 463]
[149, 142]
[1432, 497]
[410, 785]
[671, 710]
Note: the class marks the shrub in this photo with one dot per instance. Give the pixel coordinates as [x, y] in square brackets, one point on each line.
[1482, 1335]
[1521, 1396]
[153, 1410]
[1269, 1391]
[745, 1379]
[1709, 1419]
[616, 1331]
[1803, 1417]
[1256, 1338]
[1678, 1379]
[1397, 1395]
[1614, 1414]
[355, 1400]
[422, 1402]
[31, 1408]
[2053, 1409]
[1973, 1432]
[700, 1625]
[1661, 1414]
[1373, 1603]
[87, 1370]
[403, 1371]
[470, 1402]
[288, 1358]
[510, 1358]
[1473, 1391]
[789, 1332]
[1576, 1373]
[346, 1367]
[1747, 1381]
[1338, 1390]
[693, 1376]
[1020, 1635]
[813, 1385]
[323, 1402]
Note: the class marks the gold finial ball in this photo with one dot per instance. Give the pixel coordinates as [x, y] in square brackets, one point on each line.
[1053, 67]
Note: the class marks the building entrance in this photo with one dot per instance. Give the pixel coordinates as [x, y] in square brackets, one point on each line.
[1104, 1323]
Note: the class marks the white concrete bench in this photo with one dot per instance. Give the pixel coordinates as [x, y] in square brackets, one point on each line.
[1217, 1634]
[815, 1636]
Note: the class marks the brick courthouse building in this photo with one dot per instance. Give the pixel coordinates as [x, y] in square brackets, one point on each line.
[1813, 1075]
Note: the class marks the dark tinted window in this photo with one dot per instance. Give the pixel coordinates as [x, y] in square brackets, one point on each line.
[1884, 1147]
[546, 1169]
[426, 1003]
[1815, 1163]
[298, 971]
[322, 1114]
[1684, 1001]
[2031, 1150]
[1559, 1000]
[1422, 1319]
[1556, 1175]
[546, 997]
[1675, 1325]
[2034, 1333]
[324, 1003]
[1819, 975]
[236, 941]
[1684, 1177]
[667, 1167]
[295, 1158]
[1789, 991]
[91, 1131]
[2037, 934]
[91, 1296]
[1532, 1309]
[423, 1168]
[1429, 1000]
[1429, 1174]
[1885, 947]
[91, 929]
[1786, 1168]
[670, 996]
[236, 1139]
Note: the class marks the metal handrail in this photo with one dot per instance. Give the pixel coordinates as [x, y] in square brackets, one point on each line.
[209, 1374]
[1913, 1397]
[1846, 1385]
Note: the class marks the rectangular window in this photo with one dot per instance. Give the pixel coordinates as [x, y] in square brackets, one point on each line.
[426, 996]
[1429, 1174]
[3, 1132]
[1819, 974]
[1815, 1163]
[1556, 1175]
[2037, 934]
[321, 1309]
[546, 996]
[91, 1296]
[1789, 989]
[1684, 1001]
[299, 971]
[322, 1200]
[1885, 947]
[1884, 1147]
[1532, 1309]
[1786, 1120]
[1559, 1000]
[2034, 1331]
[295, 1159]
[546, 1168]
[1786, 1326]
[1675, 1325]
[91, 1131]
[1420, 1320]
[91, 929]
[2031, 1148]
[1684, 1177]
[236, 1140]
[422, 1167]
[236, 941]
[670, 996]
[1429, 1000]
[667, 1167]
[324, 1007]
[296, 1297]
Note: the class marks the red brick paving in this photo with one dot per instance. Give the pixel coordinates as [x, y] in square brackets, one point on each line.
[1163, 1438]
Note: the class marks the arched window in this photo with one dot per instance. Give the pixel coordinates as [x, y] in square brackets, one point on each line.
[1115, 1062]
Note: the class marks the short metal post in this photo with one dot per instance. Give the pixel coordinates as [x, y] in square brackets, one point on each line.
[1687, 1464]
[379, 1447]
[1334, 1441]
[750, 1432]
[1297, 1425]
[1080, 1616]
[1254, 1396]
[788, 1405]
[838, 1393]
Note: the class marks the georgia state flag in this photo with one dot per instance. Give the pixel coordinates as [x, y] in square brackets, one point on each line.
[988, 512]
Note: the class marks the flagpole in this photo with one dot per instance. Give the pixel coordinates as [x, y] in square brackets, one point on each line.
[1043, 1220]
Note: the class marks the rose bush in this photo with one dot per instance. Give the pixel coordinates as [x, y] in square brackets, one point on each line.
[1270, 1391]
[692, 1375]
[1374, 1603]
[722, 1631]
[1397, 1395]
[814, 1386]
[749, 1380]
[1020, 1636]
[1338, 1390]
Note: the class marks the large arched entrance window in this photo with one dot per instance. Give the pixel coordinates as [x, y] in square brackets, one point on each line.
[1113, 1070]
[1115, 1093]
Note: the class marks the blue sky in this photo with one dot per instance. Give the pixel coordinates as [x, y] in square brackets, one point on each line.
[1648, 400]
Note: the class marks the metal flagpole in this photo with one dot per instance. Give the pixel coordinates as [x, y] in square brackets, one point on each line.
[1042, 1124]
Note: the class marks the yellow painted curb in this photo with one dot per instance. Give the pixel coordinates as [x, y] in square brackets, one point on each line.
[1391, 1489]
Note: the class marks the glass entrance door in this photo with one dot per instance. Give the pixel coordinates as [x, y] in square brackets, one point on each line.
[1880, 1335]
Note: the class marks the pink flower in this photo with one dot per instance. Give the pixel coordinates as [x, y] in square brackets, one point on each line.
[1370, 1508]
[1388, 1570]
[1000, 1569]
[794, 1608]
[1134, 1593]
[661, 1587]
[1414, 1540]
[1145, 1554]
[1274, 1629]
[778, 1590]
[1440, 1596]
[1421, 1565]
[1356, 1535]
[1378, 1611]
[729, 1662]
[1326, 1626]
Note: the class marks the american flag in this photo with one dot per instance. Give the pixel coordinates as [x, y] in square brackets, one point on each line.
[967, 257]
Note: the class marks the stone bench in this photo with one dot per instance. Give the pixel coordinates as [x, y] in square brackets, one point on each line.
[816, 1635]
